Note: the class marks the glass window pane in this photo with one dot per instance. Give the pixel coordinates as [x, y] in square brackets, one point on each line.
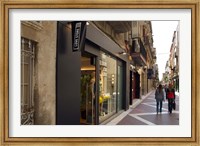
[26, 95]
[26, 73]
[107, 99]
[120, 88]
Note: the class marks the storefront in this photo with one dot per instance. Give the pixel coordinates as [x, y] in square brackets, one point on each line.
[92, 84]
[111, 80]
[134, 85]
[175, 81]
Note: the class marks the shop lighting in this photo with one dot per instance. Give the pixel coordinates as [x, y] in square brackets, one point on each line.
[122, 53]
[132, 67]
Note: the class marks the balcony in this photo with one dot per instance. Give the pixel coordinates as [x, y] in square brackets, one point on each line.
[120, 26]
[139, 53]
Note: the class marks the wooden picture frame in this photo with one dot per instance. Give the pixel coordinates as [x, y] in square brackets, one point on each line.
[6, 5]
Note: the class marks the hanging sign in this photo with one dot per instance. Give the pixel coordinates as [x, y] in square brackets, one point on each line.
[78, 35]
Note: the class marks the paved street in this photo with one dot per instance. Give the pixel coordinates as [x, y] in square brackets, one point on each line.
[144, 113]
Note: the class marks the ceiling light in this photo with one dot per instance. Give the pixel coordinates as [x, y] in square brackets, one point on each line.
[122, 53]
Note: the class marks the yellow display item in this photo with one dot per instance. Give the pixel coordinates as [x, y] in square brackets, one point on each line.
[106, 97]
[103, 98]
[100, 99]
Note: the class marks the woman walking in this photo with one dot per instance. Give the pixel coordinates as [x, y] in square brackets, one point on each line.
[171, 97]
[159, 96]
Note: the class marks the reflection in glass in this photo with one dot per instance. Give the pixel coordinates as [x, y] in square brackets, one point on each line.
[107, 89]
[88, 92]
[120, 88]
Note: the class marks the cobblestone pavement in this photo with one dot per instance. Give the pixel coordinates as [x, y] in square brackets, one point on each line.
[145, 113]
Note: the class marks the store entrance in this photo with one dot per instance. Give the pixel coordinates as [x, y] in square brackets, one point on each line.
[88, 90]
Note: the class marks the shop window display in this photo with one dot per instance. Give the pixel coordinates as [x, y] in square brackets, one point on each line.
[88, 92]
[107, 89]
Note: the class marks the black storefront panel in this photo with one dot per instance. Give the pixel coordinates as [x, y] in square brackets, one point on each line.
[68, 75]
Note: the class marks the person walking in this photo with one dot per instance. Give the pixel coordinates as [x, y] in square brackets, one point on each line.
[159, 96]
[171, 97]
[164, 91]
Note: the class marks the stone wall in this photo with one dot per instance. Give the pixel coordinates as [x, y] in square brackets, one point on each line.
[44, 70]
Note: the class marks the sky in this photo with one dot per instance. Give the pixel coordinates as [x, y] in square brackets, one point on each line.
[162, 35]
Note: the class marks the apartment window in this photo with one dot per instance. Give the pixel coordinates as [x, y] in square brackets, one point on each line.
[27, 72]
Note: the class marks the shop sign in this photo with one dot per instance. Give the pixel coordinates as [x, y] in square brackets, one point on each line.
[78, 35]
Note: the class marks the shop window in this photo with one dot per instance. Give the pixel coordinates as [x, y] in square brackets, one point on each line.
[88, 91]
[27, 70]
[107, 89]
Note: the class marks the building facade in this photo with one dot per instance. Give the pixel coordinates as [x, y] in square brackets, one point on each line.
[38, 63]
[172, 65]
[65, 83]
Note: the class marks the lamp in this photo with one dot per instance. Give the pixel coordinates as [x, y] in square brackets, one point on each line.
[122, 53]
[144, 68]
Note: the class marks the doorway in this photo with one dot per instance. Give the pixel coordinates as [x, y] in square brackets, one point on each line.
[137, 85]
[88, 90]
[132, 88]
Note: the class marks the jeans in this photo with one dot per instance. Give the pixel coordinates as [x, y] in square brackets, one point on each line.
[157, 106]
[170, 101]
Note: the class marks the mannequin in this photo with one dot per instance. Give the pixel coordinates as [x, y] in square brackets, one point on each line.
[92, 91]
[92, 85]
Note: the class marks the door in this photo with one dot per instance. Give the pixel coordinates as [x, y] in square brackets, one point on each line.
[121, 86]
[132, 87]
[88, 90]
[137, 84]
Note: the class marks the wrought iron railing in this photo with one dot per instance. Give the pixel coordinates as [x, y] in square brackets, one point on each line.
[27, 117]
[142, 50]
[138, 47]
[27, 83]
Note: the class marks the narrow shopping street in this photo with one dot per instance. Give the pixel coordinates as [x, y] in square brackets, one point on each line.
[144, 113]
[117, 65]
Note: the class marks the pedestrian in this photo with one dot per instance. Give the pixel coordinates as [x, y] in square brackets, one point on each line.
[170, 97]
[159, 96]
[164, 92]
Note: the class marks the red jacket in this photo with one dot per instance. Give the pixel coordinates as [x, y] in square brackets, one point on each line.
[170, 93]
